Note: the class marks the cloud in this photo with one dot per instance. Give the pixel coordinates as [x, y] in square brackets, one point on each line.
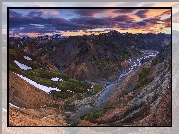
[91, 21]
[33, 22]
[167, 22]
[36, 22]
[152, 20]
[89, 12]
[124, 11]
[103, 22]
[142, 13]
[168, 12]
[34, 14]
[123, 18]
[141, 23]
[14, 14]
[42, 13]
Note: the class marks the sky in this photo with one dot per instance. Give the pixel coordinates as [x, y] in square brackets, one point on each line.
[71, 22]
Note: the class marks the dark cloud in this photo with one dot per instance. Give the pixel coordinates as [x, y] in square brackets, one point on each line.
[167, 22]
[98, 22]
[142, 13]
[91, 21]
[34, 14]
[43, 25]
[34, 22]
[103, 22]
[13, 14]
[152, 20]
[124, 11]
[141, 23]
[148, 22]
[70, 15]
[89, 12]
[123, 18]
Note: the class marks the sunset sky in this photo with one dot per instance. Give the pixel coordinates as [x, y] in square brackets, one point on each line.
[70, 22]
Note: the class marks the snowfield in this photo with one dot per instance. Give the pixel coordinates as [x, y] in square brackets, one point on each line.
[41, 87]
[22, 66]
[27, 58]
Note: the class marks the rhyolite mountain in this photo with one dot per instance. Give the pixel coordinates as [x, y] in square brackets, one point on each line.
[141, 98]
[94, 57]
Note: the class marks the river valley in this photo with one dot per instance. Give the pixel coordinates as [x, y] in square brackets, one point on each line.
[106, 96]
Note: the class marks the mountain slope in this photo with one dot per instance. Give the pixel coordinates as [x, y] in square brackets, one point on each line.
[142, 98]
[22, 94]
[125, 86]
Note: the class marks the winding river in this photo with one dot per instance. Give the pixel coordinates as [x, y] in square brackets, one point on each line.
[105, 94]
[134, 63]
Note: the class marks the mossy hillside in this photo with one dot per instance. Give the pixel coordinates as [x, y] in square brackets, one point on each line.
[43, 77]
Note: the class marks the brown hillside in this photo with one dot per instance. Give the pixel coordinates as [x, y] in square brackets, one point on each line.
[22, 94]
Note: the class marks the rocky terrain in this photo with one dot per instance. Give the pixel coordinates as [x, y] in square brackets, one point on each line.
[105, 80]
[134, 102]
[30, 106]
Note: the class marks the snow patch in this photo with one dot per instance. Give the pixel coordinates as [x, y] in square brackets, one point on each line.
[55, 79]
[69, 91]
[22, 66]
[27, 58]
[60, 79]
[41, 87]
[152, 55]
[13, 105]
[43, 106]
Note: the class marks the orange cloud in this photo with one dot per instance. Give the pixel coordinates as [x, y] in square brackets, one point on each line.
[156, 12]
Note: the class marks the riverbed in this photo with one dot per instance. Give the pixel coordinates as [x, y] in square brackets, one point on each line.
[134, 63]
[102, 98]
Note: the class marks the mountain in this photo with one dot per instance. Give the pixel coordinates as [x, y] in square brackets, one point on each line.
[37, 98]
[91, 57]
[143, 98]
[110, 79]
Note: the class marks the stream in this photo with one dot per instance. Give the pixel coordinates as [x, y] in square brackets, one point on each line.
[134, 63]
[105, 94]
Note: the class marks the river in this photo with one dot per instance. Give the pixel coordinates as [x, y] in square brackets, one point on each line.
[105, 94]
[134, 63]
